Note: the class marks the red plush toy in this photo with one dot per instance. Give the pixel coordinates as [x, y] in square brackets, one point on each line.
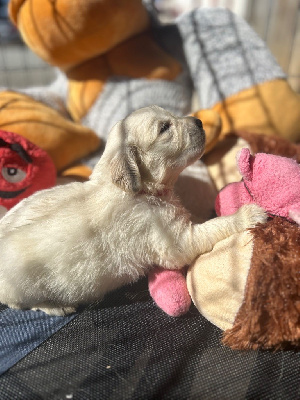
[25, 168]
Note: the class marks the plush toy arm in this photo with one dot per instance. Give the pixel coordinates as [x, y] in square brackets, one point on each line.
[216, 40]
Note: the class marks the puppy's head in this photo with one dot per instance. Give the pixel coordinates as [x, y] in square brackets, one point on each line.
[151, 147]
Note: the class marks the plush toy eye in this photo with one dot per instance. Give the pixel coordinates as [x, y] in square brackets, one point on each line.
[12, 174]
[164, 127]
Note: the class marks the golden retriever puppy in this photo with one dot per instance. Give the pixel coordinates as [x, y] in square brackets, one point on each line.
[70, 245]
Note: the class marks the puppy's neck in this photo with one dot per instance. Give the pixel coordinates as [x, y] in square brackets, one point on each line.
[157, 190]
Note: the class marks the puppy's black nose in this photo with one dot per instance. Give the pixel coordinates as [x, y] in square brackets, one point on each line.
[198, 122]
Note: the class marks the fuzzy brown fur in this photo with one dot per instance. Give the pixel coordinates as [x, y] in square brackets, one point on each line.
[270, 314]
[271, 145]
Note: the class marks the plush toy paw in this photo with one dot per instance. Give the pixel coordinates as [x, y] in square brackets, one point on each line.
[169, 291]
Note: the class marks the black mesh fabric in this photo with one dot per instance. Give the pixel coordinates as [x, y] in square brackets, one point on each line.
[126, 348]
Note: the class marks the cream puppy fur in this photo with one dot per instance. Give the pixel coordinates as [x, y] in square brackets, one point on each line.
[70, 245]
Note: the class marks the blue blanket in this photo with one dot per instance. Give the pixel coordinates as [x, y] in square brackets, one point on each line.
[22, 331]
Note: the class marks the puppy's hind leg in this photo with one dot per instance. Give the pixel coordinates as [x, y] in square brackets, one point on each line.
[16, 306]
[56, 311]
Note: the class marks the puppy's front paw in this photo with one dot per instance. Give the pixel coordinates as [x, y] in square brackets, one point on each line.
[251, 215]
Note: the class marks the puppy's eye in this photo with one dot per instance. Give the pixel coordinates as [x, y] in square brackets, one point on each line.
[164, 127]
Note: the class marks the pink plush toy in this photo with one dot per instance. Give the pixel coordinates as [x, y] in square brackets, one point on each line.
[169, 291]
[270, 181]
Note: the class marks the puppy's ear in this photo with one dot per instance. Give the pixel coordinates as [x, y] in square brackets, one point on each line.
[124, 164]
[125, 171]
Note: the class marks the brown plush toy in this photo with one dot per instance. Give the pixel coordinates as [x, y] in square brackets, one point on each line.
[249, 285]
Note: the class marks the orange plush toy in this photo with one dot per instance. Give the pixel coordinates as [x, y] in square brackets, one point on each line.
[104, 51]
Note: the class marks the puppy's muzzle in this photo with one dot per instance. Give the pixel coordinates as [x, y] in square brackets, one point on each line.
[196, 126]
[198, 123]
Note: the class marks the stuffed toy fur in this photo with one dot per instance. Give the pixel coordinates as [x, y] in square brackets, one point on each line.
[108, 68]
[253, 277]
[221, 163]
